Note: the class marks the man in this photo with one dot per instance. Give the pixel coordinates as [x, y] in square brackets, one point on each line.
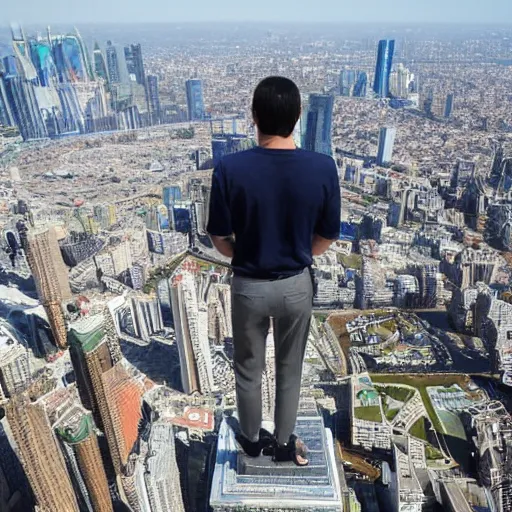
[271, 209]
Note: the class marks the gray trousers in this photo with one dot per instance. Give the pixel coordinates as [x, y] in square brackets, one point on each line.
[289, 302]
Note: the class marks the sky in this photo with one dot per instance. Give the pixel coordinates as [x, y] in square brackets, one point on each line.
[135, 11]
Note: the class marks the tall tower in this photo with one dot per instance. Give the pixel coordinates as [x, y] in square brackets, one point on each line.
[154, 99]
[195, 100]
[385, 53]
[100, 66]
[319, 124]
[76, 431]
[106, 387]
[113, 64]
[51, 278]
[386, 143]
[135, 63]
[40, 455]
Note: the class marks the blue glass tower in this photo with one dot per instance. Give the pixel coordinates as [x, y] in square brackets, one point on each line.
[319, 124]
[347, 80]
[6, 115]
[135, 63]
[360, 85]
[171, 195]
[114, 73]
[383, 68]
[100, 67]
[195, 100]
[153, 98]
[386, 143]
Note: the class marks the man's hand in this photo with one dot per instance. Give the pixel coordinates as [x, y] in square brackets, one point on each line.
[224, 244]
[320, 244]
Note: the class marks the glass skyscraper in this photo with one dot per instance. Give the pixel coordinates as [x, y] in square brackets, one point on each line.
[134, 63]
[114, 74]
[100, 67]
[360, 85]
[195, 100]
[347, 80]
[319, 124]
[386, 143]
[383, 68]
[153, 98]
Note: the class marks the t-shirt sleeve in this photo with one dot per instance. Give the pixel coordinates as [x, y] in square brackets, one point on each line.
[219, 218]
[328, 224]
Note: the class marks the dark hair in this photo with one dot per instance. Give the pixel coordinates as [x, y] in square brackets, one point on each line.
[276, 106]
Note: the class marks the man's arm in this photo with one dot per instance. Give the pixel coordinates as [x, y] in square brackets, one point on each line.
[219, 220]
[224, 244]
[320, 244]
[327, 228]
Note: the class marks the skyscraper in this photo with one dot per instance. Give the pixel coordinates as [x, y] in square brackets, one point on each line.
[21, 97]
[100, 67]
[360, 85]
[153, 98]
[195, 100]
[114, 74]
[400, 81]
[347, 80]
[6, 114]
[76, 431]
[319, 124]
[51, 278]
[386, 142]
[70, 57]
[135, 63]
[385, 53]
[40, 455]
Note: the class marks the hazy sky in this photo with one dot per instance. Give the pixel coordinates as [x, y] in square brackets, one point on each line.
[82, 11]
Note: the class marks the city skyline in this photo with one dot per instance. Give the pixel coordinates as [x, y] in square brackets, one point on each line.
[401, 11]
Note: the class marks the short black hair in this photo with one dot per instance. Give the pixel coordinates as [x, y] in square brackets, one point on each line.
[276, 106]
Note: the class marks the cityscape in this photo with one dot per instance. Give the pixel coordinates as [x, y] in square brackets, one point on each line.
[117, 389]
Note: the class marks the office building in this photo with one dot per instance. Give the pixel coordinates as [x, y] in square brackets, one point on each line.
[6, 114]
[258, 485]
[135, 63]
[190, 315]
[171, 194]
[195, 101]
[76, 432]
[385, 53]
[386, 142]
[51, 278]
[319, 124]
[40, 454]
[100, 66]
[15, 362]
[400, 82]
[153, 99]
[229, 143]
[71, 58]
[361, 85]
[347, 81]
[162, 477]
[21, 96]
[114, 73]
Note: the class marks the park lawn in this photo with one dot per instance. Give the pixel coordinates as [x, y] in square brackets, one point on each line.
[421, 382]
[433, 453]
[391, 413]
[418, 430]
[400, 394]
[371, 413]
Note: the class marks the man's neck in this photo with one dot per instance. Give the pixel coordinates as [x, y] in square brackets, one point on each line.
[275, 142]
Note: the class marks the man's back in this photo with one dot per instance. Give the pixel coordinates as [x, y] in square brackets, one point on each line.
[274, 200]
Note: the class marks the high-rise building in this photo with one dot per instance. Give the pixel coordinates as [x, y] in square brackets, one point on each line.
[22, 99]
[100, 66]
[15, 362]
[385, 53]
[171, 194]
[113, 69]
[75, 430]
[106, 387]
[6, 114]
[195, 101]
[154, 99]
[135, 63]
[347, 81]
[386, 142]
[40, 455]
[360, 85]
[449, 105]
[51, 278]
[400, 81]
[319, 124]
[162, 476]
[229, 143]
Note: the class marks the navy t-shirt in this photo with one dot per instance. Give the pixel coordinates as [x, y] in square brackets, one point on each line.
[274, 201]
